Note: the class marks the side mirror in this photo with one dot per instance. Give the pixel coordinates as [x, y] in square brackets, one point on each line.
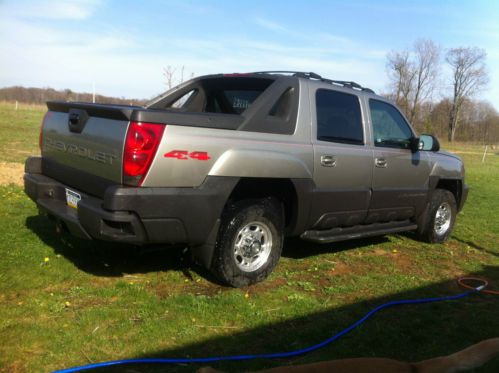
[428, 143]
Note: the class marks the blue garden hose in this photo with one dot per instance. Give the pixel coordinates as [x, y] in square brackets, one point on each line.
[277, 355]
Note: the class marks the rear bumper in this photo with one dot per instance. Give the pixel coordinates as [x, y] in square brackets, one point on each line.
[134, 215]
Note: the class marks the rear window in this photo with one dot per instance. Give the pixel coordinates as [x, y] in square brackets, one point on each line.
[240, 100]
[232, 95]
[225, 95]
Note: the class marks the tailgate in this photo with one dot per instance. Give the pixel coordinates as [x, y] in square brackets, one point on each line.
[82, 144]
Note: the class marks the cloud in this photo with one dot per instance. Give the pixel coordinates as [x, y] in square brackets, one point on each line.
[271, 25]
[52, 9]
[122, 63]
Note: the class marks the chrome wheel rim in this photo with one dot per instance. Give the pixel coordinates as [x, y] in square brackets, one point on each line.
[443, 218]
[252, 246]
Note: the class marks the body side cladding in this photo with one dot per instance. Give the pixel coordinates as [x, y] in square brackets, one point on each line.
[454, 185]
[282, 189]
[294, 194]
[447, 174]
[304, 189]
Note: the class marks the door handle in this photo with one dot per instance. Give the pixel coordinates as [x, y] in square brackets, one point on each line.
[380, 162]
[328, 160]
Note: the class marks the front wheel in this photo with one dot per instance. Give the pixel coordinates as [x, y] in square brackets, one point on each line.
[438, 220]
[249, 242]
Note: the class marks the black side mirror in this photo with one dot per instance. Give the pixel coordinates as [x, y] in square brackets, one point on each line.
[428, 143]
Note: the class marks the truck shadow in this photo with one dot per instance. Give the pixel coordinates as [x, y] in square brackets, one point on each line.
[475, 246]
[115, 260]
[107, 258]
[406, 333]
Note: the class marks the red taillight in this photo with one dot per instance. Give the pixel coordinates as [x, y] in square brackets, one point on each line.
[142, 140]
[47, 115]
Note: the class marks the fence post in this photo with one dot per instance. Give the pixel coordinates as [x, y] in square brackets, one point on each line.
[484, 153]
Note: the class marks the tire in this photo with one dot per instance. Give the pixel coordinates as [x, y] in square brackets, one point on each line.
[437, 222]
[249, 242]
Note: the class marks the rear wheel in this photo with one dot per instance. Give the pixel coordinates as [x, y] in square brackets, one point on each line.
[249, 242]
[437, 223]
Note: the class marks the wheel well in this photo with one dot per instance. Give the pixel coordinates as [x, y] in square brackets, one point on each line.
[282, 189]
[452, 185]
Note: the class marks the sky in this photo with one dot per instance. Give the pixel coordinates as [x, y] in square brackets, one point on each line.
[123, 46]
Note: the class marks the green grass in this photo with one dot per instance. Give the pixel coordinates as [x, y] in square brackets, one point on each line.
[66, 302]
[19, 130]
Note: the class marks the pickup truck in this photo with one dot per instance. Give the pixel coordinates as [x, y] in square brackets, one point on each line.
[230, 164]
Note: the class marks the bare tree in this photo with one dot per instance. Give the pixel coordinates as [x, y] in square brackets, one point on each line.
[469, 76]
[169, 74]
[174, 75]
[413, 75]
[426, 66]
[401, 74]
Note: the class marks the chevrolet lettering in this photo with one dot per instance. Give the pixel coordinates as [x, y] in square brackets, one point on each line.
[80, 151]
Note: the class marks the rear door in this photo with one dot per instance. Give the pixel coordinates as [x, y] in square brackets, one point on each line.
[342, 160]
[400, 177]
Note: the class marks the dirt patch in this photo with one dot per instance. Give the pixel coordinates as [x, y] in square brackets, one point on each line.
[15, 367]
[341, 269]
[11, 173]
[402, 262]
[379, 252]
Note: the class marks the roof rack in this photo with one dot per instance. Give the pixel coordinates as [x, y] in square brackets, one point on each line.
[312, 75]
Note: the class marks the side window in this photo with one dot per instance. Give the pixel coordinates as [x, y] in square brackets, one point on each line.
[389, 126]
[338, 117]
[183, 100]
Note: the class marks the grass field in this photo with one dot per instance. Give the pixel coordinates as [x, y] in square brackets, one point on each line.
[66, 302]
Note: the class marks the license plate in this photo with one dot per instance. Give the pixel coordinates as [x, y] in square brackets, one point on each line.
[72, 198]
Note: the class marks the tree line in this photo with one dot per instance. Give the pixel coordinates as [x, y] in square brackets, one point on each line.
[42, 95]
[439, 103]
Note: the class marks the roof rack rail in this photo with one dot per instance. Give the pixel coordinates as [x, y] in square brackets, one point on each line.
[300, 74]
[312, 75]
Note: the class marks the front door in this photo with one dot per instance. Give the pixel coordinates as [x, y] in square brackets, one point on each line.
[400, 176]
